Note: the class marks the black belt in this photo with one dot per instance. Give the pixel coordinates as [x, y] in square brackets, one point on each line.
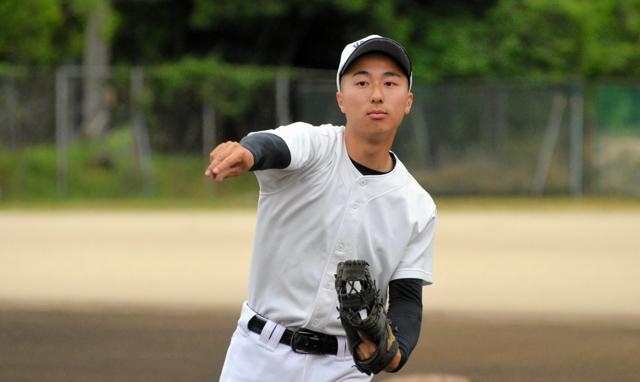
[302, 340]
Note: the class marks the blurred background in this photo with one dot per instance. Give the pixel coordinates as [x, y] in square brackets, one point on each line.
[115, 250]
[112, 99]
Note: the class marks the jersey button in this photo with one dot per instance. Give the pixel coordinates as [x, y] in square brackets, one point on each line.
[363, 182]
[354, 206]
[315, 323]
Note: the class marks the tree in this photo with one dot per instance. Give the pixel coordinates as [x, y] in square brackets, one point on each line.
[28, 30]
[97, 33]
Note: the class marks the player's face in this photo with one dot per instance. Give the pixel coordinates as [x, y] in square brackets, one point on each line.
[374, 96]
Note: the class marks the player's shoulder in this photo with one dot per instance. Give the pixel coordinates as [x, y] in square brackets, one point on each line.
[318, 136]
[308, 128]
[416, 194]
[422, 196]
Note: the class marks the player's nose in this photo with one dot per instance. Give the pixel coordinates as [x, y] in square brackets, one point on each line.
[376, 94]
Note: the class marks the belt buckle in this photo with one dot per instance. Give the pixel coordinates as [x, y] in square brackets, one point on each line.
[305, 341]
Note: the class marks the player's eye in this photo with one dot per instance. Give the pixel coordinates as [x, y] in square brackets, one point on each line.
[390, 84]
[361, 83]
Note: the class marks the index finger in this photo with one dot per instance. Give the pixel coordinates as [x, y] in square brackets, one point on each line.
[217, 150]
[217, 156]
[223, 168]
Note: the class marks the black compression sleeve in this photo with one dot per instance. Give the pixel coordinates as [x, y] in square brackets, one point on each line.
[405, 313]
[269, 151]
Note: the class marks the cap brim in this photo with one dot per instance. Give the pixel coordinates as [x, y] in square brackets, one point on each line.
[381, 45]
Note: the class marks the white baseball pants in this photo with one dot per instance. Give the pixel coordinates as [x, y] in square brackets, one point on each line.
[253, 357]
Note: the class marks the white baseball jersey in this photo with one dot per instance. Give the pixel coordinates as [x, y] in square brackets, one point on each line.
[321, 210]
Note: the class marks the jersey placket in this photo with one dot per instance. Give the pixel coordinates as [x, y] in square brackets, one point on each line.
[344, 248]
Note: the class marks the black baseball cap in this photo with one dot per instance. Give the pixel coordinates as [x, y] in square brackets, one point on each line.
[374, 43]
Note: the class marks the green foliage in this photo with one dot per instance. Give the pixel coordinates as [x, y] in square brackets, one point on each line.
[479, 39]
[230, 87]
[110, 172]
[48, 32]
[12, 70]
[28, 174]
[387, 21]
[453, 48]
[84, 8]
[612, 38]
[351, 6]
[207, 13]
[533, 39]
[536, 36]
[28, 28]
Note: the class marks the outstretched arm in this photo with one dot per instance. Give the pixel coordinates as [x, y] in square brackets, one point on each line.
[259, 151]
[228, 159]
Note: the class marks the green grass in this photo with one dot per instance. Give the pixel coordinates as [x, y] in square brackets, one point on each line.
[238, 202]
[543, 204]
[105, 176]
[108, 173]
[226, 200]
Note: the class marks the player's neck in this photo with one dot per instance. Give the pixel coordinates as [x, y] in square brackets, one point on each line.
[374, 155]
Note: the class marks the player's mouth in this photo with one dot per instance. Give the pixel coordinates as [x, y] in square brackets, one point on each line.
[377, 114]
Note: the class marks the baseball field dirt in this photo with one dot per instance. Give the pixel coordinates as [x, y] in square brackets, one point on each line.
[521, 295]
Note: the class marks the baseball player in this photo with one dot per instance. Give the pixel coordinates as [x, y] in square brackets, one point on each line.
[329, 194]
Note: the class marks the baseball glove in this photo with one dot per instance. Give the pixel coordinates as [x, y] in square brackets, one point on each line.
[362, 315]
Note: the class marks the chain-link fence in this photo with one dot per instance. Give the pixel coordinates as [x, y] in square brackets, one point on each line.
[27, 109]
[481, 138]
[129, 127]
[616, 150]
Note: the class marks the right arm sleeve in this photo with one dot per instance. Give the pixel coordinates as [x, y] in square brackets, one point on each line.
[269, 151]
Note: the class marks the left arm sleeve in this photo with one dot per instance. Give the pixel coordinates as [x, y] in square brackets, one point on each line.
[405, 313]
[299, 147]
[418, 256]
[269, 151]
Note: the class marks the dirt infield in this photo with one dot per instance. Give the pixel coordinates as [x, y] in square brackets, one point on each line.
[570, 263]
[162, 346]
[518, 295]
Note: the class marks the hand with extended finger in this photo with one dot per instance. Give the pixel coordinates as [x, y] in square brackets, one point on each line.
[228, 159]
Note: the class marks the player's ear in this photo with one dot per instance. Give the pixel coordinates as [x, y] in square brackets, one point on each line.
[407, 108]
[340, 99]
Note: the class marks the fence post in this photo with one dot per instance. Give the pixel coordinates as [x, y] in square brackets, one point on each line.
[140, 133]
[575, 141]
[283, 114]
[62, 129]
[421, 130]
[209, 132]
[548, 144]
[500, 128]
[11, 106]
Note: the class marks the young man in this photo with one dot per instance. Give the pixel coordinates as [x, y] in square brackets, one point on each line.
[329, 194]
